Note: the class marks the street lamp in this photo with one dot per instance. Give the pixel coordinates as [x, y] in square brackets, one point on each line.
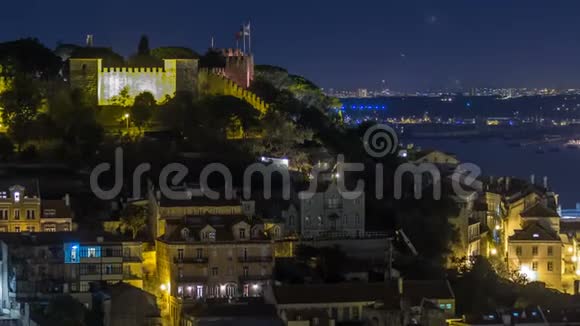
[127, 120]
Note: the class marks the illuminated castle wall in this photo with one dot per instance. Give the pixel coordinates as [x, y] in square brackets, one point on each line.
[215, 82]
[104, 85]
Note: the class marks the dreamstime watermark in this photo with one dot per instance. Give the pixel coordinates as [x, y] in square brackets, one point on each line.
[379, 141]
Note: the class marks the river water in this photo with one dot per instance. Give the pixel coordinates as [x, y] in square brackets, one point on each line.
[496, 157]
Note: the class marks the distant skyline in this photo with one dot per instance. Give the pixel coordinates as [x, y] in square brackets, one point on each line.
[343, 45]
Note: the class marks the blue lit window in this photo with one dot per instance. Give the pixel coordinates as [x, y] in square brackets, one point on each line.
[71, 253]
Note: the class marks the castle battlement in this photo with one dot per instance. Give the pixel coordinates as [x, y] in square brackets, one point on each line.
[134, 69]
[229, 52]
[214, 81]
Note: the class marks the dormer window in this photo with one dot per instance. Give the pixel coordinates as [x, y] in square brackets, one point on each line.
[535, 235]
[242, 233]
[16, 196]
[3, 195]
[185, 233]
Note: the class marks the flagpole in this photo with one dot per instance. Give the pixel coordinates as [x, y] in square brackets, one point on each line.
[249, 38]
[244, 35]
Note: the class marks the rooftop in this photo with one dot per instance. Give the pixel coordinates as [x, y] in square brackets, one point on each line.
[413, 292]
[539, 210]
[47, 238]
[534, 232]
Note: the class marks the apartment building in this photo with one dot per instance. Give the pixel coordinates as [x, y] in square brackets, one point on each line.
[212, 257]
[163, 209]
[328, 212]
[40, 265]
[537, 252]
[22, 209]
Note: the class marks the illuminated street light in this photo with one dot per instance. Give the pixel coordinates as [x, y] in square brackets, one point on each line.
[127, 116]
[163, 287]
[494, 251]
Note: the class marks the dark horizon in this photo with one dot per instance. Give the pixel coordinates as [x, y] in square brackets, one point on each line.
[412, 46]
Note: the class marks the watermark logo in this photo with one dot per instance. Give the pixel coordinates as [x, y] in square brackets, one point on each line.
[380, 140]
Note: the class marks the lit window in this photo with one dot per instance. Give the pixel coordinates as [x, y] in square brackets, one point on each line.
[550, 266]
[92, 252]
[535, 235]
[16, 196]
[17, 229]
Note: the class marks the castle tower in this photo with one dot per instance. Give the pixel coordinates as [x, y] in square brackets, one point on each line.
[239, 67]
[84, 75]
[186, 75]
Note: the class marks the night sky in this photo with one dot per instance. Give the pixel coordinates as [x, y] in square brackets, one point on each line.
[341, 44]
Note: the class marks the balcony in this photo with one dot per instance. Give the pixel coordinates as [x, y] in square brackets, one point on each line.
[249, 278]
[132, 259]
[255, 259]
[131, 277]
[190, 260]
[192, 279]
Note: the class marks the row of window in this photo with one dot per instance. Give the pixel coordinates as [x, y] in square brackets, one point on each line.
[535, 251]
[549, 266]
[30, 214]
[319, 220]
[199, 253]
[95, 269]
[46, 228]
[230, 272]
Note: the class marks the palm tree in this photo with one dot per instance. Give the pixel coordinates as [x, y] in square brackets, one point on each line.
[134, 219]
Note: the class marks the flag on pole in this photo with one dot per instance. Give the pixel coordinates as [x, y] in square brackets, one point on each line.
[247, 29]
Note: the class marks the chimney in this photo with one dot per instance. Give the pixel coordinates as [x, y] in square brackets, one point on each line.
[158, 195]
[546, 182]
[533, 179]
[507, 183]
[100, 239]
[67, 200]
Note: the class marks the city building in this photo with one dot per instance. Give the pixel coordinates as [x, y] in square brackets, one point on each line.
[40, 265]
[243, 313]
[536, 252]
[435, 157]
[163, 209]
[23, 210]
[331, 213]
[342, 303]
[126, 305]
[212, 257]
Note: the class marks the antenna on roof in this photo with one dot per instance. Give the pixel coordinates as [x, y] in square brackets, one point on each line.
[89, 40]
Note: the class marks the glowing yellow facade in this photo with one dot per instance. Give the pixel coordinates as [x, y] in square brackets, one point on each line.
[119, 85]
[113, 81]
